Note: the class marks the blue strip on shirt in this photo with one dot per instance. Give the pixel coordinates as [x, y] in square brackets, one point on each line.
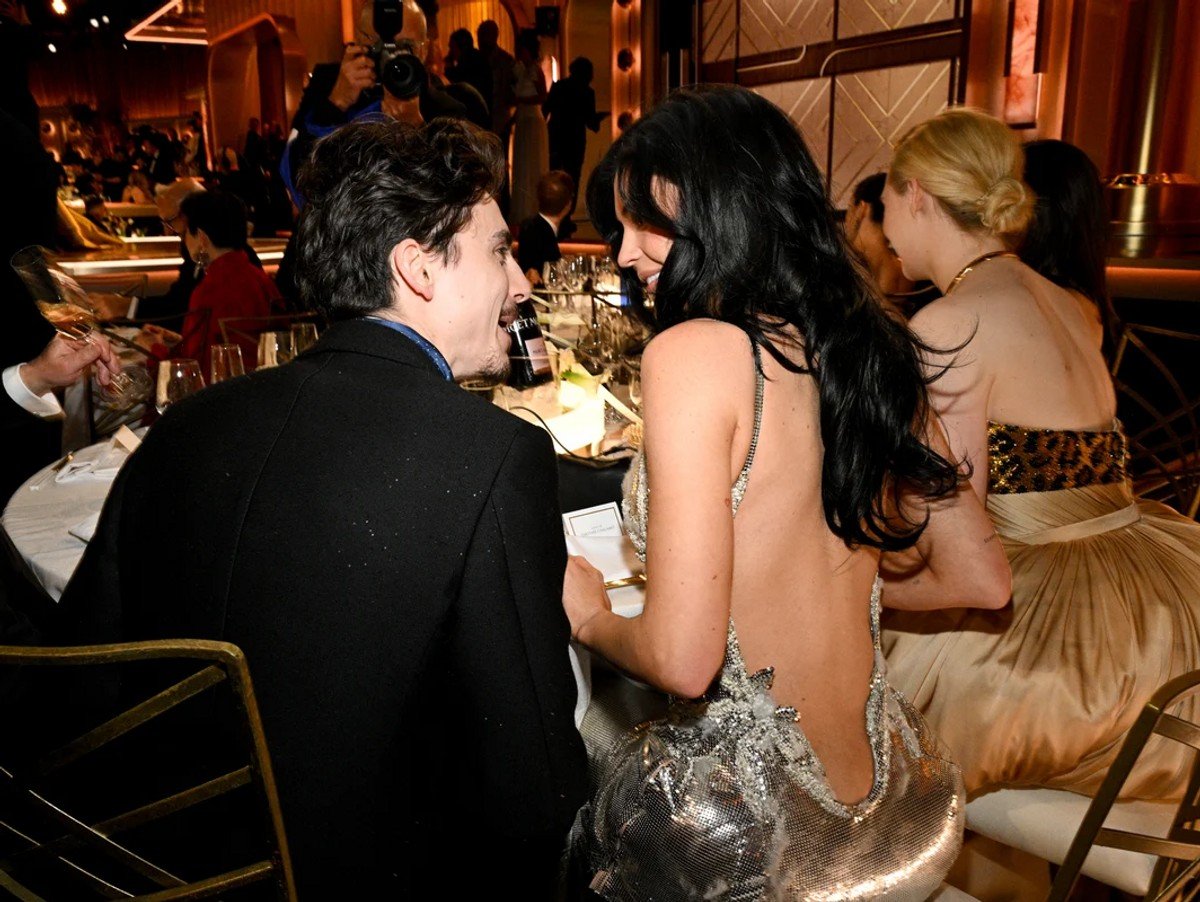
[421, 342]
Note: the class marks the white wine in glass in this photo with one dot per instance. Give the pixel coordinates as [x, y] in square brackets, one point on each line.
[64, 304]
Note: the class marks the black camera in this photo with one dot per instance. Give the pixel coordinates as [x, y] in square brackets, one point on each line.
[397, 68]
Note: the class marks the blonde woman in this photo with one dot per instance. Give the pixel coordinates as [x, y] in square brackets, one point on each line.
[1106, 590]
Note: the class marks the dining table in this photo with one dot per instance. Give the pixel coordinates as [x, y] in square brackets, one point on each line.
[50, 518]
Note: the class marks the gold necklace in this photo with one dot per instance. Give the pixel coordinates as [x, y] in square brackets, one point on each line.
[982, 258]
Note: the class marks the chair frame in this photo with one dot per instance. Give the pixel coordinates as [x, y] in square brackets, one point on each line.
[1179, 852]
[1175, 456]
[218, 662]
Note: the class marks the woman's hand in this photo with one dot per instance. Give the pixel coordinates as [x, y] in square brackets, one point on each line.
[583, 595]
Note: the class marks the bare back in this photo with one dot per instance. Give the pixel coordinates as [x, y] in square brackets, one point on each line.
[1032, 358]
[798, 596]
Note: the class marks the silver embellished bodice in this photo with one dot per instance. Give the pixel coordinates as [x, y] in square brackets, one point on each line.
[724, 797]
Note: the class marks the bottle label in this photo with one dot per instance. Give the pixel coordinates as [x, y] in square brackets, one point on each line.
[539, 360]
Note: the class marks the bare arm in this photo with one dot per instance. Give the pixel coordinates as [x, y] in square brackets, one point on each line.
[678, 642]
[958, 561]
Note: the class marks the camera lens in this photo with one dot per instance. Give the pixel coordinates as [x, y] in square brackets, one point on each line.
[402, 76]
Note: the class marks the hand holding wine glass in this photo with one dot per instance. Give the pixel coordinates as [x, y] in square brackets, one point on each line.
[65, 305]
[64, 360]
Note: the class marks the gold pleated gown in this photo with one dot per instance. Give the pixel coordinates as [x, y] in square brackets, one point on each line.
[1106, 608]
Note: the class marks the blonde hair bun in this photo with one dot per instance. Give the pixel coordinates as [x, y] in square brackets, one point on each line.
[1006, 208]
[973, 164]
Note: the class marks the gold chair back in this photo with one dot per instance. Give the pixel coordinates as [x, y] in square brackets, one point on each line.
[1159, 413]
[1177, 873]
[45, 848]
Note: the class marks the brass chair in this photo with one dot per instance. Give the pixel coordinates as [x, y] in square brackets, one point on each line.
[1159, 413]
[1177, 872]
[45, 848]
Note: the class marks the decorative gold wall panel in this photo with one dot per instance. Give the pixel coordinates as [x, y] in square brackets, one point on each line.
[768, 25]
[806, 103]
[857, 17]
[719, 38]
[872, 110]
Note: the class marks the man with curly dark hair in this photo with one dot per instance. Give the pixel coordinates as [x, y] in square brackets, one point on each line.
[384, 546]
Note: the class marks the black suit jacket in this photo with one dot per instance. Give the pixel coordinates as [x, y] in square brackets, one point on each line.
[536, 244]
[388, 552]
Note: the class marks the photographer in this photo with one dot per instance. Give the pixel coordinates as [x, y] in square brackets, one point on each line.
[382, 73]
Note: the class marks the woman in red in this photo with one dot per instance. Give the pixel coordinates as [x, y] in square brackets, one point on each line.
[232, 286]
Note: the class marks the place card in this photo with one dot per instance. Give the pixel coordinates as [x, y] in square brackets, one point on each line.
[127, 439]
[601, 520]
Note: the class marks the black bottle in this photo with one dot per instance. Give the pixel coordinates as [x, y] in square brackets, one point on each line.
[527, 354]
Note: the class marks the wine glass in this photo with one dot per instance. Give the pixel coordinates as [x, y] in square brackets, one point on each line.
[226, 363]
[635, 385]
[176, 380]
[304, 336]
[275, 348]
[64, 304]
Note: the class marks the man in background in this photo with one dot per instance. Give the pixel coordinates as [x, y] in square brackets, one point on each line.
[539, 234]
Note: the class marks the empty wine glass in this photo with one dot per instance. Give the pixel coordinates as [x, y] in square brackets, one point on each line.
[304, 336]
[275, 348]
[226, 363]
[64, 304]
[176, 380]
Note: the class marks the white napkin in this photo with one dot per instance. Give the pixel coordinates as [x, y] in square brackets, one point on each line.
[95, 463]
[615, 557]
[85, 529]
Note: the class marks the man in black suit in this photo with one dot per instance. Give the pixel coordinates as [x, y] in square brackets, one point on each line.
[570, 109]
[539, 234]
[384, 546]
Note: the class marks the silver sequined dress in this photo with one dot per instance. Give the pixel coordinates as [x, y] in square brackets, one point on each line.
[723, 798]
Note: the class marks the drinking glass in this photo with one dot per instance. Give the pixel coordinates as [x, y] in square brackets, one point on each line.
[304, 336]
[275, 348]
[176, 380]
[226, 363]
[635, 387]
[64, 304]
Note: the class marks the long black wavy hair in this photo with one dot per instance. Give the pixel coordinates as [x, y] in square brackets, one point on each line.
[756, 244]
[1068, 237]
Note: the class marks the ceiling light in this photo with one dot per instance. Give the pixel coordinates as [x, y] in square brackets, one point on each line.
[59, 6]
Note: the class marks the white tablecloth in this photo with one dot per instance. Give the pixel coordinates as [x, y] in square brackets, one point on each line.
[37, 521]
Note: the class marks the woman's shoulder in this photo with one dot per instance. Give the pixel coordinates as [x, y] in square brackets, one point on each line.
[698, 358]
[696, 341]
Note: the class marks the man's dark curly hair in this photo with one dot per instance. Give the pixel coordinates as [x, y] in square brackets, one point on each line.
[369, 186]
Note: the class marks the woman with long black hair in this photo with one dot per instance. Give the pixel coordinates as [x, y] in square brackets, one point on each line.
[785, 449]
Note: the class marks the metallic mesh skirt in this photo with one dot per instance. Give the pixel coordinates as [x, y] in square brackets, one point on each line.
[724, 799]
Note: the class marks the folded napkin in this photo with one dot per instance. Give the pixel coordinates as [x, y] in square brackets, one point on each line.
[85, 529]
[95, 463]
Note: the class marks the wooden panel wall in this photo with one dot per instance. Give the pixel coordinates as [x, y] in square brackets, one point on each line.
[147, 81]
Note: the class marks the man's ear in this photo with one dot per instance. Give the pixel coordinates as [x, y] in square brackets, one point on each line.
[409, 263]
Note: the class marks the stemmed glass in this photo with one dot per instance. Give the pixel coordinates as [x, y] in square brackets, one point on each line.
[275, 348]
[176, 380]
[64, 304]
[304, 336]
[226, 363]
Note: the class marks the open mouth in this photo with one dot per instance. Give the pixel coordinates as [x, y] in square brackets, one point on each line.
[508, 316]
[650, 281]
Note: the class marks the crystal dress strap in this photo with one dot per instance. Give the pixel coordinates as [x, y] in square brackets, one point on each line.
[739, 486]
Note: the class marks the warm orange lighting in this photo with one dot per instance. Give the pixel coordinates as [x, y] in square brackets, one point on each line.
[164, 34]
[59, 6]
